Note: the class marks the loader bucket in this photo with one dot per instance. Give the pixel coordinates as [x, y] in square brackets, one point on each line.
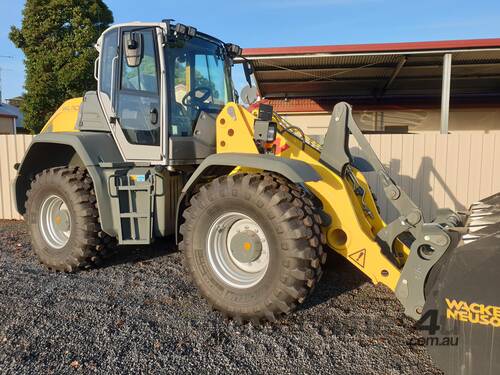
[461, 317]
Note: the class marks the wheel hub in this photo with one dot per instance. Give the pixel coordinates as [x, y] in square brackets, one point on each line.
[246, 246]
[55, 222]
[61, 220]
[238, 250]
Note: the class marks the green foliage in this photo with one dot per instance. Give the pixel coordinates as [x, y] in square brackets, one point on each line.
[146, 69]
[180, 73]
[57, 38]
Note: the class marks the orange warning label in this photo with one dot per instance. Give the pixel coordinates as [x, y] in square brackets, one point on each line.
[359, 257]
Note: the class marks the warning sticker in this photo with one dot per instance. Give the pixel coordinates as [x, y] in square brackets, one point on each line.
[359, 257]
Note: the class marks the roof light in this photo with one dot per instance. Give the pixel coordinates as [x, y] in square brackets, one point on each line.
[191, 31]
[181, 29]
[233, 50]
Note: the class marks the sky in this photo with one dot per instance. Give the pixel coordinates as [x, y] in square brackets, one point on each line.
[273, 23]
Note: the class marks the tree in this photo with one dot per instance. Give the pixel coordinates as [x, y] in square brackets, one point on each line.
[57, 38]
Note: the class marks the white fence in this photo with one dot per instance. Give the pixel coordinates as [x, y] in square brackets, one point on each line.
[12, 148]
[435, 170]
[438, 170]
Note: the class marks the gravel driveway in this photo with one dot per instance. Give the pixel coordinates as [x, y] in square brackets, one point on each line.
[140, 314]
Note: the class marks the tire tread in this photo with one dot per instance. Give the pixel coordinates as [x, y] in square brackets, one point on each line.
[297, 221]
[92, 244]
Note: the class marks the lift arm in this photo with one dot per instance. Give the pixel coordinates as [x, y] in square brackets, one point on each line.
[429, 240]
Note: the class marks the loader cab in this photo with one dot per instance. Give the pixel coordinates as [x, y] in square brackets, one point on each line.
[161, 90]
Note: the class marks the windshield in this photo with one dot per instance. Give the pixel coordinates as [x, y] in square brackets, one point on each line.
[199, 80]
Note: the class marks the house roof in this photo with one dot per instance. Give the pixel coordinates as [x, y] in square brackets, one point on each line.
[10, 111]
[6, 111]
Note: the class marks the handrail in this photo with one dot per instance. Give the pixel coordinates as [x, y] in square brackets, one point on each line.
[296, 132]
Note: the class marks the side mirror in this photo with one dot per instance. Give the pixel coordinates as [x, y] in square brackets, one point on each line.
[134, 48]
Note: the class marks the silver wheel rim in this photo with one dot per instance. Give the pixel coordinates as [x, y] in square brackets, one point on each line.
[223, 262]
[55, 222]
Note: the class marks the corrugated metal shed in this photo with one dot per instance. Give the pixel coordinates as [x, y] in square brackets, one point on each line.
[379, 72]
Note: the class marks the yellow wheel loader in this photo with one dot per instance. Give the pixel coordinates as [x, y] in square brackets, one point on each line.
[162, 148]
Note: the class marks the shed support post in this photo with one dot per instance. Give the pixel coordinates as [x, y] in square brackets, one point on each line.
[445, 94]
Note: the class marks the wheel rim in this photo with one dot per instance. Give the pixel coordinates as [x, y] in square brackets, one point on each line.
[238, 250]
[55, 222]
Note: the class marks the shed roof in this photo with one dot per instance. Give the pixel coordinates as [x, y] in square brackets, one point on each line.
[378, 72]
[443, 45]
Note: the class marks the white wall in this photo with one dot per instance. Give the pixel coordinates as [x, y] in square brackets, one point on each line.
[417, 120]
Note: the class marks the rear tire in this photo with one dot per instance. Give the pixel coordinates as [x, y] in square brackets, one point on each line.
[252, 204]
[63, 220]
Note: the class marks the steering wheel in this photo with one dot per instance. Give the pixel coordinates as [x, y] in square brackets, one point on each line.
[191, 100]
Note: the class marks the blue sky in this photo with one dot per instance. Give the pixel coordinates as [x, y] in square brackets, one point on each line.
[265, 23]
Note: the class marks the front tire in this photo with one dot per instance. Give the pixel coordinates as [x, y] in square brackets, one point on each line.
[63, 220]
[253, 245]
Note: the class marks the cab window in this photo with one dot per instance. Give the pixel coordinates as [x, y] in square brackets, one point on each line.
[139, 97]
[145, 76]
[198, 80]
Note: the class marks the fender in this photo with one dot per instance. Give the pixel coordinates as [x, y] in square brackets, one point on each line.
[87, 149]
[296, 171]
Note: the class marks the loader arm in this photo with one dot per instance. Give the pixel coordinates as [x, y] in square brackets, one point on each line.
[429, 240]
[356, 231]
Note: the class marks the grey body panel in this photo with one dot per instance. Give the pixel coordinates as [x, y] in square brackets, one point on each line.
[92, 148]
[131, 204]
[166, 204]
[91, 116]
[194, 149]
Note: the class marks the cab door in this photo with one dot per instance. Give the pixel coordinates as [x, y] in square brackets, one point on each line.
[131, 95]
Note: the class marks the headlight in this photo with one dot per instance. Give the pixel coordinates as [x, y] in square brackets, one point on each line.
[264, 131]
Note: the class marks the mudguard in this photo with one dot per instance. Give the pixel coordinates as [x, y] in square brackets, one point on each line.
[295, 170]
[49, 150]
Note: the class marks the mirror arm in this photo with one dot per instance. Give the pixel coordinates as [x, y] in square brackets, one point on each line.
[248, 69]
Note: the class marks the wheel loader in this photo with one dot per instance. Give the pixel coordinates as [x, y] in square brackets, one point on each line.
[163, 148]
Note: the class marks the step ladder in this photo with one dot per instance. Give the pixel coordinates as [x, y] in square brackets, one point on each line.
[134, 195]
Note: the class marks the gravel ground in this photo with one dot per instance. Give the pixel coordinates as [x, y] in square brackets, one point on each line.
[139, 313]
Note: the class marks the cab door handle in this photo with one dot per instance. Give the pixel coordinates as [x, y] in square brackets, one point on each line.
[153, 115]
